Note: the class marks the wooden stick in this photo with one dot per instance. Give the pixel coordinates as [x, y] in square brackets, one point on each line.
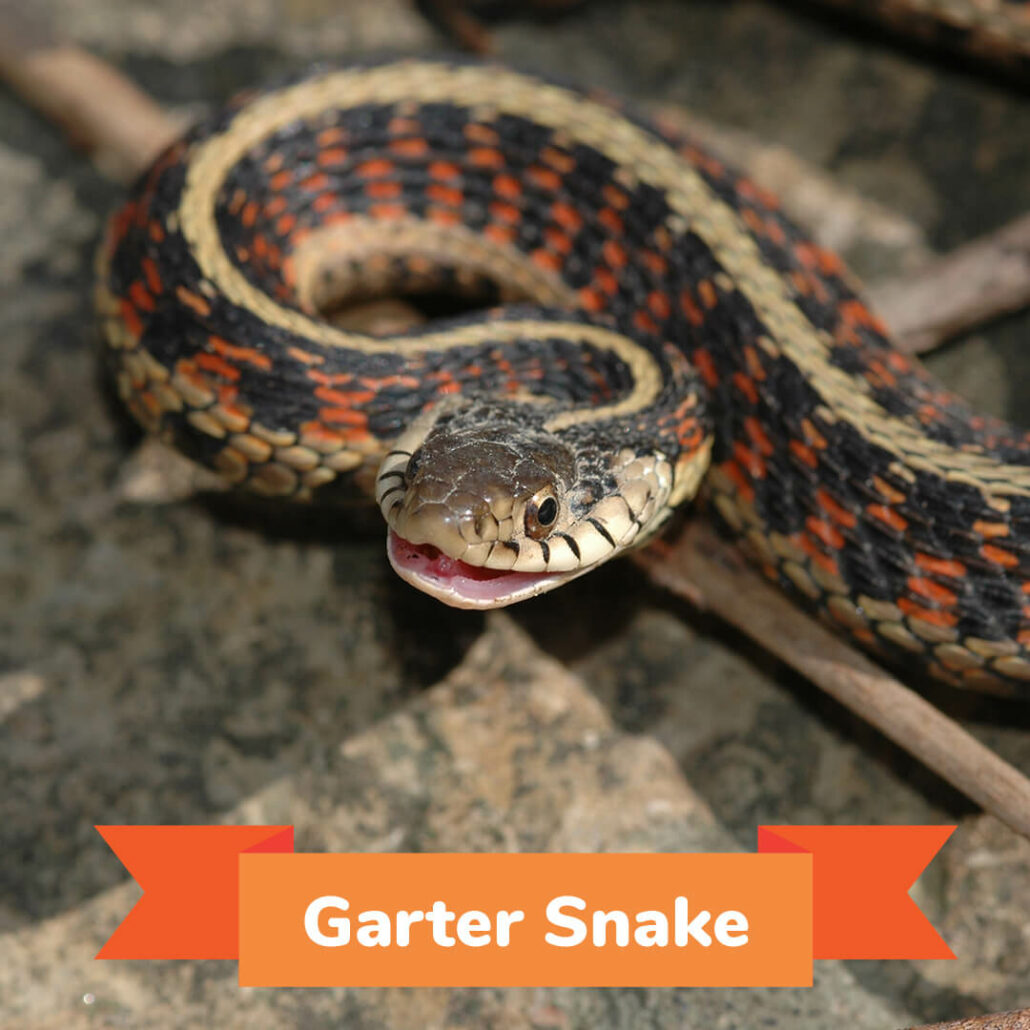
[976, 283]
[707, 571]
[96, 106]
[1016, 1020]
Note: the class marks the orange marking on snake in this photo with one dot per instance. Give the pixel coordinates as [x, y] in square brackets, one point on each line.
[276, 206]
[749, 460]
[140, 297]
[999, 556]
[442, 215]
[834, 510]
[706, 291]
[445, 194]
[157, 232]
[250, 355]
[826, 532]
[604, 278]
[414, 147]
[558, 159]
[375, 168]
[659, 304]
[886, 490]
[706, 366]
[504, 212]
[990, 530]
[557, 240]
[758, 436]
[323, 202]
[344, 398]
[610, 219]
[614, 253]
[930, 615]
[281, 180]
[654, 262]
[330, 137]
[746, 386]
[286, 225]
[644, 322]
[614, 197]
[943, 566]
[888, 516]
[774, 231]
[195, 302]
[305, 357]
[332, 156]
[590, 299]
[221, 367]
[478, 133]
[499, 233]
[755, 368]
[130, 318]
[249, 215]
[545, 178]
[566, 216]
[932, 591]
[383, 190]
[694, 314]
[812, 435]
[486, 157]
[153, 277]
[444, 170]
[390, 212]
[315, 183]
[546, 259]
[507, 186]
[343, 416]
[733, 471]
[803, 453]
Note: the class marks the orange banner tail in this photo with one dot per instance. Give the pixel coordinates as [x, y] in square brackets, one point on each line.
[190, 877]
[861, 879]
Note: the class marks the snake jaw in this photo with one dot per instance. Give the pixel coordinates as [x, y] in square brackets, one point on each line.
[462, 585]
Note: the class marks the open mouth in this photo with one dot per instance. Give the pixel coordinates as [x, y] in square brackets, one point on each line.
[462, 585]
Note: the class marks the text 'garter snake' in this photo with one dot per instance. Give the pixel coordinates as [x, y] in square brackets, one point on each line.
[663, 323]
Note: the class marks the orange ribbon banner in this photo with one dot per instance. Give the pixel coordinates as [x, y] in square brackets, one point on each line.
[811, 892]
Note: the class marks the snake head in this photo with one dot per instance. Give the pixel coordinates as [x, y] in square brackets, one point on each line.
[488, 505]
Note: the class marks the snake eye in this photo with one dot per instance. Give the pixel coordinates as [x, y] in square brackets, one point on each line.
[541, 514]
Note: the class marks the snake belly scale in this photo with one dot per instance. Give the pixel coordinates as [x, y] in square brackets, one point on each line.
[662, 323]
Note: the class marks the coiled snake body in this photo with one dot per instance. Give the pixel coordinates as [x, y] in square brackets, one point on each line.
[666, 323]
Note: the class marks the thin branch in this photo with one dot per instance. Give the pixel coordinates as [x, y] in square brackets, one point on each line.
[707, 571]
[980, 281]
[97, 107]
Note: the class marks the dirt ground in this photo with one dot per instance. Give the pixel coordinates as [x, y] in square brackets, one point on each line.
[211, 660]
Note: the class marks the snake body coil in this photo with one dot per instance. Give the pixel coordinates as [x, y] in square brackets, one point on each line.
[665, 317]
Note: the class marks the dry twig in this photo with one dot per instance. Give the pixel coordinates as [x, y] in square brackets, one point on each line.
[96, 106]
[708, 572]
[973, 284]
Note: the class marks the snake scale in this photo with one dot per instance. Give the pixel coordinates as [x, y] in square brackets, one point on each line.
[657, 322]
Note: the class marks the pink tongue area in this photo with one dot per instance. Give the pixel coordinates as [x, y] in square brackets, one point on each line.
[430, 565]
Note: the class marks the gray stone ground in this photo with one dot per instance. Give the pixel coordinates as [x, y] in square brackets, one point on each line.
[211, 660]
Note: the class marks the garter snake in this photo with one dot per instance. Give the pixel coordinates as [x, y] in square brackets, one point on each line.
[660, 323]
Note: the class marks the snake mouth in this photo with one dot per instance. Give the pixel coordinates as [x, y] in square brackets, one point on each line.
[461, 585]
